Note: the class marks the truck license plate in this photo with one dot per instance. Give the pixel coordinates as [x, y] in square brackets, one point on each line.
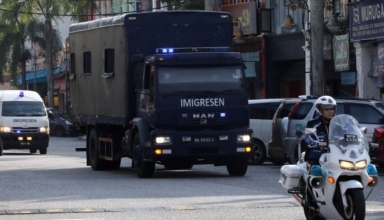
[204, 139]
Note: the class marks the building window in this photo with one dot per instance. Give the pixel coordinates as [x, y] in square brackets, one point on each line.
[87, 62]
[109, 61]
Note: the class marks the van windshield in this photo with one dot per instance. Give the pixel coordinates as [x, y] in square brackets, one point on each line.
[20, 108]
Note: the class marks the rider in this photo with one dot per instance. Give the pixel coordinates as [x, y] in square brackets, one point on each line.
[326, 106]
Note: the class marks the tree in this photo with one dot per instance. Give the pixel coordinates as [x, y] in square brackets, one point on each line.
[14, 32]
[51, 10]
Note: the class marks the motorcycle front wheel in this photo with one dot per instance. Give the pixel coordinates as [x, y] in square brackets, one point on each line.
[356, 205]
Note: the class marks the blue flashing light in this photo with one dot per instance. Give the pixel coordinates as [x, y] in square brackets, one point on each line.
[371, 170]
[192, 49]
[222, 114]
[316, 170]
[18, 131]
[21, 94]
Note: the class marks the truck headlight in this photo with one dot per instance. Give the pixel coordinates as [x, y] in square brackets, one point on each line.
[44, 130]
[360, 165]
[243, 138]
[347, 165]
[5, 129]
[163, 140]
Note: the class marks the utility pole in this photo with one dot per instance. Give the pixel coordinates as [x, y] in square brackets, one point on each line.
[146, 5]
[317, 43]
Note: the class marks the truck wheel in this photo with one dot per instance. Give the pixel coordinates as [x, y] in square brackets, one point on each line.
[237, 167]
[143, 169]
[259, 153]
[96, 162]
[1, 147]
[32, 151]
[43, 150]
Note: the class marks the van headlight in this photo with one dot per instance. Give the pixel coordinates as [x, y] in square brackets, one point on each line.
[163, 140]
[44, 130]
[68, 122]
[5, 129]
[243, 138]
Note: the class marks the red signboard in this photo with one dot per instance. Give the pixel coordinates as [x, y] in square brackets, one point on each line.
[244, 16]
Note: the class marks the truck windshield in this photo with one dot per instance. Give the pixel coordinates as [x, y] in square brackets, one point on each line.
[20, 108]
[199, 79]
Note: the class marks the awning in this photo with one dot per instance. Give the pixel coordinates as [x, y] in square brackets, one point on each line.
[41, 76]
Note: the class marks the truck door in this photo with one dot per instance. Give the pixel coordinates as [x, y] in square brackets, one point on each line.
[147, 94]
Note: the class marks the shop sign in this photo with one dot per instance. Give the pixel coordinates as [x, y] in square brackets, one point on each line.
[245, 14]
[341, 52]
[366, 20]
[348, 78]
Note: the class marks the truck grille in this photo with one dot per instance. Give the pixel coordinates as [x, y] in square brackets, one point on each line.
[25, 130]
[201, 119]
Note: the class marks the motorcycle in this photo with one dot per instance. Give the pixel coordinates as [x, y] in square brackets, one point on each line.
[334, 189]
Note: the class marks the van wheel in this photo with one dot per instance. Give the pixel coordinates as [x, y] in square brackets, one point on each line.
[59, 131]
[43, 150]
[259, 153]
[144, 169]
[32, 151]
[1, 147]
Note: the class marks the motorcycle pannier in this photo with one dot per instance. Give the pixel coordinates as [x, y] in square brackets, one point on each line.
[290, 176]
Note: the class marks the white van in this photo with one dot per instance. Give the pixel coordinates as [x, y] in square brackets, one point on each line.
[23, 121]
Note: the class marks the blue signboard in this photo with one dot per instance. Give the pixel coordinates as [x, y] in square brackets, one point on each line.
[366, 20]
[348, 78]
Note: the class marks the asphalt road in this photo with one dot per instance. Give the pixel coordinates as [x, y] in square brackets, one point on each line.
[59, 185]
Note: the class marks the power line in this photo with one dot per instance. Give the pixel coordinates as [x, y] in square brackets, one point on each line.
[107, 14]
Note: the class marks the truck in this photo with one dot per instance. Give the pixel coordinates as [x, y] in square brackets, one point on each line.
[160, 88]
[23, 121]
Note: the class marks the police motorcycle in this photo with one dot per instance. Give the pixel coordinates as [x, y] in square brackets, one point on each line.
[334, 189]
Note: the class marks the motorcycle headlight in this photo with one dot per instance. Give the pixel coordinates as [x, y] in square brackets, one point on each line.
[347, 165]
[5, 129]
[163, 140]
[360, 165]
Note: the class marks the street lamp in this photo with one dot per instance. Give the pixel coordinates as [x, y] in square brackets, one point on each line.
[333, 24]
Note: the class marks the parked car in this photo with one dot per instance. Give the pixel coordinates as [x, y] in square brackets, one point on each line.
[261, 115]
[59, 124]
[279, 131]
[376, 150]
[369, 113]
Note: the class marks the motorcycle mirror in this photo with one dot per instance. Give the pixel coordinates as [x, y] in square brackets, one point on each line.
[310, 131]
[364, 130]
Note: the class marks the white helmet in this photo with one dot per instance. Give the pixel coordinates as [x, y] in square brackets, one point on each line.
[325, 101]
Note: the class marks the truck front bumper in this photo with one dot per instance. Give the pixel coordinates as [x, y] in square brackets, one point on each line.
[24, 140]
[200, 146]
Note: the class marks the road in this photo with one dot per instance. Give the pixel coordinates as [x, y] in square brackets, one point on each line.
[60, 186]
